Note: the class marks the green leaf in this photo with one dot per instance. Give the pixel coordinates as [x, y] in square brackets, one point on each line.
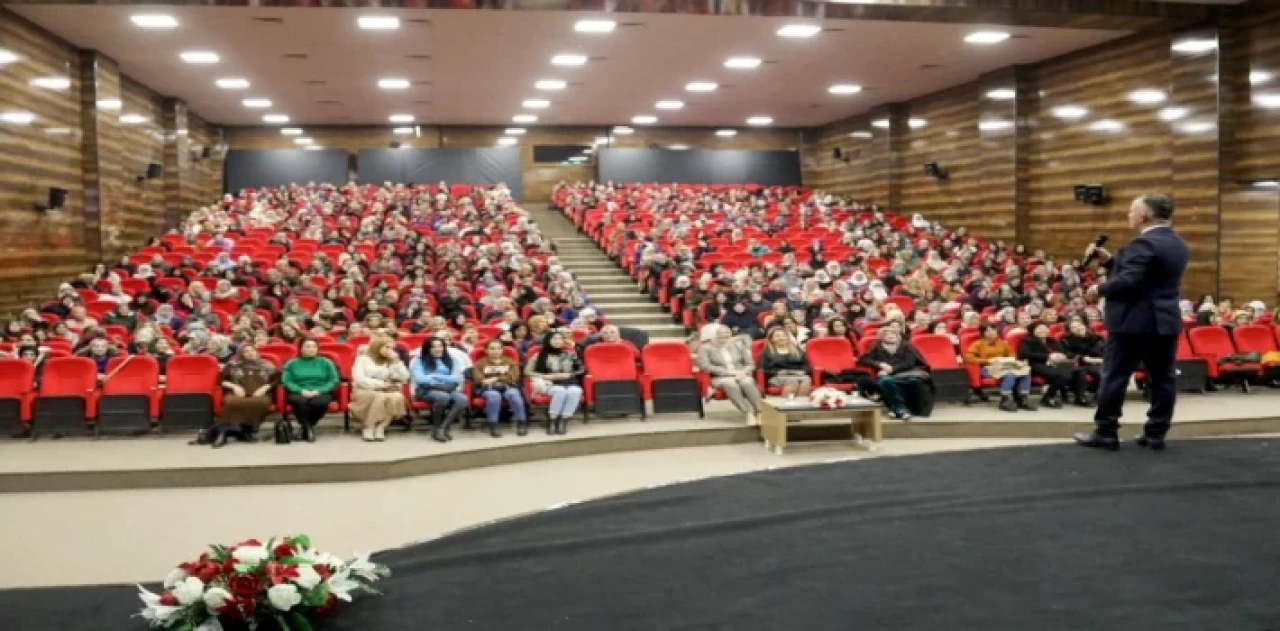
[186, 626]
[245, 568]
[284, 626]
[294, 560]
[300, 622]
[317, 596]
[302, 541]
[220, 553]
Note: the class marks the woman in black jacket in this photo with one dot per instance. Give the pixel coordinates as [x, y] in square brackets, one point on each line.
[741, 321]
[897, 364]
[785, 365]
[1049, 361]
[1086, 348]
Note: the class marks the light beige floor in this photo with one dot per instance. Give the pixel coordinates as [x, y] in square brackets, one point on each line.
[138, 535]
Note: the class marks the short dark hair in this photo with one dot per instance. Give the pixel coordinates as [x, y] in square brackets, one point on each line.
[1161, 206]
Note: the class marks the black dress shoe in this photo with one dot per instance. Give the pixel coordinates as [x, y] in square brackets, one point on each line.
[1098, 441]
[219, 439]
[1051, 402]
[308, 432]
[1150, 442]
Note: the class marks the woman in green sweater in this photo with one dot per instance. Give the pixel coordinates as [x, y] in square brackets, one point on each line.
[309, 380]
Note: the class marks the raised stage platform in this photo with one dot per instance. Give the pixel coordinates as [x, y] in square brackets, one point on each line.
[165, 461]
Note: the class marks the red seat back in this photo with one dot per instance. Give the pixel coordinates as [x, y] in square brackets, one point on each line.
[1014, 339]
[1254, 339]
[342, 355]
[191, 374]
[140, 375]
[281, 350]
[610, 360]
[17, 377]
[937, 351]
[1211, 339]
[667, 359]
[830, 354]
[69, 376]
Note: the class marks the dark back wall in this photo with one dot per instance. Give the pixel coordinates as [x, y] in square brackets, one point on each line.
[482, 165]
[257, 168]
[700, 166]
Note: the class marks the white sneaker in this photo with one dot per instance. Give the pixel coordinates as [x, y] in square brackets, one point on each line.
[752, 419]
[368, 435]
[380, 433]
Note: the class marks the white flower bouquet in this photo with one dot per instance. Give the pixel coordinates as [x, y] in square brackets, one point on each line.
[829, 398]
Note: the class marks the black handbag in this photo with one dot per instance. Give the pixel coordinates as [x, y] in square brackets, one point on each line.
[284, 432]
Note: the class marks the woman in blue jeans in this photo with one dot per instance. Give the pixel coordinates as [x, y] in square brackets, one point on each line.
[556, 371]
[496, 378]
[437, 380]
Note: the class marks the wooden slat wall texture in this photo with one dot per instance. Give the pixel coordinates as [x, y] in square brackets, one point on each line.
[206, 173]
[142, 213]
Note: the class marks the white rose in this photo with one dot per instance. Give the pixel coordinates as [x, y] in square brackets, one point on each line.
[284, 596]
[174, 577]
[188, 590]
[253, 555]
[307, 577]
[215, 598]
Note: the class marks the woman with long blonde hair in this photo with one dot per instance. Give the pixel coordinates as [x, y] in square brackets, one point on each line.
[377, 397]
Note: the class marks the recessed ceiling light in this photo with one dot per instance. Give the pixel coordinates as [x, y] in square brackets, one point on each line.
[799, 30]
[110, 104]
[51, 83]
[600, 140]
[880, 123]
[1070, 111]
[199, 57]
[760, 120]
[514, 131]
[986, 37]
[669, 105]
[7, 57]
[153, 20]
[524, 118]
[302, 141]
[679, 147]
[726, 133]
[917, 123]
[589, 150]
[742, 63]
[1199, 127]
[844, 88]
[623, 130]
[861, 134]
[401, 118]
[275, 118]
[313, 147]
[535, 104]
[1257, 77]
[378, 22]
[133, 119]
[550, 84]
[1169, 114]
[393, 83]
[1107, 125]
[1269, 100]
[291, 131]
[1267, 184]
[256, 104]
[232, 83]
[701, 86]
[1002, 94]
[58, 131]
[507, 141]
[595, 26]
[1195, 45]
[402, 131]
[994, 125]
[569, 59]
[1147, 97]
[644, 119]
[17, 117]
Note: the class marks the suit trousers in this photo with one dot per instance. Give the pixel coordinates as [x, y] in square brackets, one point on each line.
[1125, 351]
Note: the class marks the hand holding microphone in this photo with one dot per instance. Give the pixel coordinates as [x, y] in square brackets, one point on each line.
[1095, 250]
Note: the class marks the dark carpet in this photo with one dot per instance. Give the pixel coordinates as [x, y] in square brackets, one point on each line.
[1040, 538]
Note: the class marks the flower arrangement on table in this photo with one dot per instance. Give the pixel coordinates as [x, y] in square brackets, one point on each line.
[830, 398]
[283, 584]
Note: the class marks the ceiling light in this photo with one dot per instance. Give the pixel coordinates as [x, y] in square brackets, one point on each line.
[378, 22]
[257, 104]
[760, 120]
[880, 123]
[514, 131]
[588, 151]
[313, 147]
[275, 118]
[507, 141]
[1257, 77]
[726, 133]
[58, 131]
[799, 30]
[861, 134]
[595, 26]
[1268, 100]
[535, 104]
[110, 104]
[199, 57]
[623, 130]
[644, 119]
[1107, 125]
[1267, 184]
[51, 83]
[679, 147]
[844, 88]
[1200, 127]
[995, 125]
[1195, 45]
[291, 131]
[549, 84]
[742, 63]
[393, 83]
[17, 117]
[1070, 111]
[154, 20]
[1002, 94]
[133, 119]
[303, 141]
[7, 57]
[1169, 114]
[524, 118]
[1147, 97]
[401, 118]
[232, 83]
[701, 86]
[986, 37]
[917, 123]
[600, 140]
[669, 105]
[576, 159]
[402, 131]
[569, 59]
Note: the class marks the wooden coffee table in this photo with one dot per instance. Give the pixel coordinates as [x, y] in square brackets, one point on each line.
[862, 417]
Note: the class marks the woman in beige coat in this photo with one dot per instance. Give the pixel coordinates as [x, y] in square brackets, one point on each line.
[376, 396]
[731, 370]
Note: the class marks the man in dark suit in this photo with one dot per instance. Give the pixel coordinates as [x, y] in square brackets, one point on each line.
[1143, 322]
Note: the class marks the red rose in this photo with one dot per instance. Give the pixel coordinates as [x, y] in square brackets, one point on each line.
[168, 599]
[283, 550]
[229, 566]
[277, 573]
[323, 571]
[208, 571]
[244, 586]
[241, 607]
[327, 608]
[249, 542]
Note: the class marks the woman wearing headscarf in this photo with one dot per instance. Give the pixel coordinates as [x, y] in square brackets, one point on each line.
[377, 398]
[247, 380]
[731, 369]
[557, 371]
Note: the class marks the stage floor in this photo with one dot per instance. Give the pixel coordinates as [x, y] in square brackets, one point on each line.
[1047, 537]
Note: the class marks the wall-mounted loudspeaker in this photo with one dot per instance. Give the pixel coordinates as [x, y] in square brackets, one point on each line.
[1092, 194]
[395, 144]
[933, 170]
[57, 199]
[206, 152]
[837, 153]
[154, 171]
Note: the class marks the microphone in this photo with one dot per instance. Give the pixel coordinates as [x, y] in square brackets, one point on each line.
[1097, 243]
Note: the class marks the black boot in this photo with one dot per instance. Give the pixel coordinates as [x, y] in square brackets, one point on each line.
[219, 439]
[553, 424]
[982, 396]
[522, 428]
[308, 432]
[1007, 404]
[204, 437]
[563, 427]
[1050, 399]
[452, 417]
[493, 430]
[1023, 402]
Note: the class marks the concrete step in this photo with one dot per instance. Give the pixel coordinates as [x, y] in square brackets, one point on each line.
[667, 331]
[640, 320]
[583, 269]
[606, 297]
[630, 308]
[603, 279]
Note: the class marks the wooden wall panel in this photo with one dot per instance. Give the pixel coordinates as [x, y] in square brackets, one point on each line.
[40, 249]
[1257, 141]
[852, 175]
[352, 139]
[1251, 244]
[949, 136]
[204, 172]
[142, 211]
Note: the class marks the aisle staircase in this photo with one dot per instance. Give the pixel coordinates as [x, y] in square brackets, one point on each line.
[609, 288]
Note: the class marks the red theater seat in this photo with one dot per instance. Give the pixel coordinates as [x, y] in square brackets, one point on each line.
[129, 397]
[830, 355]
[612, 383]
[192, 394]
[68, 395]
[17, 382]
